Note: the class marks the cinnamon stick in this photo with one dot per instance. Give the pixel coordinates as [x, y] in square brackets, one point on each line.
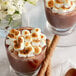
[50, 52]
[48, 70]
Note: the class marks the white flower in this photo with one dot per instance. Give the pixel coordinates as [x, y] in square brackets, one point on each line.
[20, 9]
[20, 2]
[9, 7]
[11, 10]
[5, 4]
[19, 5]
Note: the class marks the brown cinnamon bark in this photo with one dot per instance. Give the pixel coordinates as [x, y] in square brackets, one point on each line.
[48, 70]
[50, 52]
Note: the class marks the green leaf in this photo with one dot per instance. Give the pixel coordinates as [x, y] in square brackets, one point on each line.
[16, 12]
[32, 2]
[5, 9]
[25, 0]
[10, 20]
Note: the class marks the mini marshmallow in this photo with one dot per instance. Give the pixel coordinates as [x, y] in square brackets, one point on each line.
[11, 36]
[42, 43]
[23, 55]
[58, 5]
[10, 48]
[61, 6]
[37, 50]
[25, 33]
[37, 30]
[35, 36]
[15, 32]
[27, 52]
[43, 37]
[19, 43]
[27, 44]
[19, 47]
[8, 42]
[36, 42]
[50, 3]
[59, 1]
[28, 38]
[20, 39]
[67, 4]
[12, 31]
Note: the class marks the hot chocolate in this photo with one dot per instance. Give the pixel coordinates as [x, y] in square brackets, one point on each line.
[26, 49]
[61, 14]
